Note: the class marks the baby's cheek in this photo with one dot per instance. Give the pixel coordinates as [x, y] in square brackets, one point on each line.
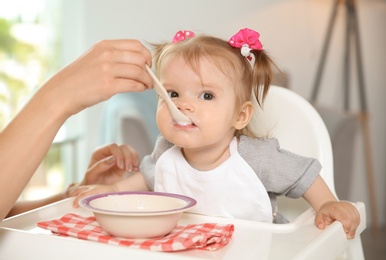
[164, 120]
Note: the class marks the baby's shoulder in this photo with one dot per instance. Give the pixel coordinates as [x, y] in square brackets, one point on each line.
[248, 143]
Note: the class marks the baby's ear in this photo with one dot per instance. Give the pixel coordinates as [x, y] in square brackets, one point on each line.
[244, 116]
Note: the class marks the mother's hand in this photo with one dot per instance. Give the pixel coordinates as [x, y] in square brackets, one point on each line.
[108, 68]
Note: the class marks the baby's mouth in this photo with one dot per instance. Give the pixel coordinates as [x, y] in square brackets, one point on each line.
[185, 125]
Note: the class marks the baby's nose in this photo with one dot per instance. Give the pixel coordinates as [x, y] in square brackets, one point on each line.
[184, 104]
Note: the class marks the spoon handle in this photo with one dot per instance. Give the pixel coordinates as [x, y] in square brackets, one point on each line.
[177, 115]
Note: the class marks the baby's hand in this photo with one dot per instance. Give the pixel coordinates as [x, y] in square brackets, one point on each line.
[342, 211]
[109, 164]
[88, 190]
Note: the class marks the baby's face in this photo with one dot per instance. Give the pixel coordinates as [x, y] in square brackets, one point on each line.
[208, 99]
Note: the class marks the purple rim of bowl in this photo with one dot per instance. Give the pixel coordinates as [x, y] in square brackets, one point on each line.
[85, 202]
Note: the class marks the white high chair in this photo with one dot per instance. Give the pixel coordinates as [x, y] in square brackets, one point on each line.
[300, 129]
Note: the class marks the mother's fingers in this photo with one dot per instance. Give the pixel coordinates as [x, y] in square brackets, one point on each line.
[93, 77]
[130, 79]
[131, 55]
[131, 45]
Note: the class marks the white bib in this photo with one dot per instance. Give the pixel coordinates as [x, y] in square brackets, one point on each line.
[231, 190]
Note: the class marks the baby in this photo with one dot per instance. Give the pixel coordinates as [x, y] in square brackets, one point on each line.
[219, 159]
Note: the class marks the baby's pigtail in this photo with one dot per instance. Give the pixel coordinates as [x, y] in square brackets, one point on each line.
[261, 81]
[261, 75]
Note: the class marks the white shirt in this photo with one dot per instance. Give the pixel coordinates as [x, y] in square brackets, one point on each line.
[231, 190]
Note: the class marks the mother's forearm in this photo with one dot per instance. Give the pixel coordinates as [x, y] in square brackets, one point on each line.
[24, 143]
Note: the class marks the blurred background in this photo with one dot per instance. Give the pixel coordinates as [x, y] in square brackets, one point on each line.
[39, 37]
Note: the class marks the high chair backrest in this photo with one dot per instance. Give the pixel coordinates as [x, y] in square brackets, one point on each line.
[299, 128]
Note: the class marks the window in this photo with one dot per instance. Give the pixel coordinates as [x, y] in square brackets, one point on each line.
[29, 50]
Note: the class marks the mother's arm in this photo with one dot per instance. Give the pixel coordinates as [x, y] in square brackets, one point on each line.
[110, 67]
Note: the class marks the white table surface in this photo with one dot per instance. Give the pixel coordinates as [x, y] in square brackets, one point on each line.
[20, 238]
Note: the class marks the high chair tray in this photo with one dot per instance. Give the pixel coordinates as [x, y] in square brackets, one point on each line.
[20, 238]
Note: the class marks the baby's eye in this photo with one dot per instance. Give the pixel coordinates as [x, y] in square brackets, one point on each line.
[207, 96]
[172, 94]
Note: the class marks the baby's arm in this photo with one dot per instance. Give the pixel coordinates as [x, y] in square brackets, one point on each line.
[328, 208]
[106, 173]
[135, 182]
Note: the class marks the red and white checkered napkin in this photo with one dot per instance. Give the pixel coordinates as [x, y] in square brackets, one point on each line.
[208, 236]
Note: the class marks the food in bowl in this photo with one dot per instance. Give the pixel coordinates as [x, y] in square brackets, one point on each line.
[137, 214]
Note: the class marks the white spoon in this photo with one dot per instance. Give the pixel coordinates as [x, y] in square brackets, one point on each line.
[177, 115]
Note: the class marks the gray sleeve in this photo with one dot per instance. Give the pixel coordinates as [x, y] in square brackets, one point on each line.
[280, 171]
[147, 166]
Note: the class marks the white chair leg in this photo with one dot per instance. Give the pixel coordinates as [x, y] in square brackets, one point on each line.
[355, 249]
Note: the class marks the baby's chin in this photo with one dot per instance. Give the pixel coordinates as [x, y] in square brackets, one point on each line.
[182, 142]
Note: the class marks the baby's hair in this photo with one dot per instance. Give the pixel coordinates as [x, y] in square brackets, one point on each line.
[251, 83]
[262, 74]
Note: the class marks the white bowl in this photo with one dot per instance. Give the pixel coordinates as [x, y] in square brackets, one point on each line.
[137, 214]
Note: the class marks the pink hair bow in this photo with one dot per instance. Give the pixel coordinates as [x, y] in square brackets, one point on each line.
[246, 37]
[182, 35]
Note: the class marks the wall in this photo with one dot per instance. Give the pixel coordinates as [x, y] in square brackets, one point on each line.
[292, 31]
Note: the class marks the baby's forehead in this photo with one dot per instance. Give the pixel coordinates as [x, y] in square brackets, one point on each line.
[200, 63]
